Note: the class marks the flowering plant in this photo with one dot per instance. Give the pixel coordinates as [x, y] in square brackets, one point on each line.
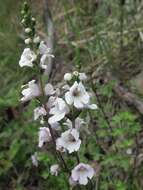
[62, 113]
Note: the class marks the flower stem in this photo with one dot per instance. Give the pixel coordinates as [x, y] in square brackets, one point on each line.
[77, 157]
[58, 154]
[76, 153]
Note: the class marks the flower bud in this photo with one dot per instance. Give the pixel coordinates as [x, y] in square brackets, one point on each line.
[27, 30]
[28, 41]
[67, 76]
[54, 170]
[34, 159]
[36, 40]
[129, 151]
[22, 12]
[33, 19]
[23, 21]
[76, 73]
[42, 122]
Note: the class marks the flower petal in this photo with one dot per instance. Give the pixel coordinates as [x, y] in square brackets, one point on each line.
[56, 117]
[83, 179]
[92, 106]
[77, 103]
[68, 98]
[49, 90]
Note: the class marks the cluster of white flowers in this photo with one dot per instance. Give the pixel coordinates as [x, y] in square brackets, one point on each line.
[59, 109]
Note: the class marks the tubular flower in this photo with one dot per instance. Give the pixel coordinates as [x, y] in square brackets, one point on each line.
[59, 109]
[69, 140]
[54, 169]
[31, 91]
[44, 136]
[27, 58]
[77, 96]
[45, 52]
[81, 173]
[78, 123]
[39, 111]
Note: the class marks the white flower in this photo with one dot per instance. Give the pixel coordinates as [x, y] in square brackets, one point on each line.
[45, 52]
[27, 58]
[81, 173]
[31, 91]
[34, 159]
[44, 49]
[39, 111]
[51, 102]
[82, 76]
[44, 136]
[49, 90]
[69, 140]
[77, 95]
[59, 147]
[67, 76]
[54, 169]
[78, 123]
[59, 109]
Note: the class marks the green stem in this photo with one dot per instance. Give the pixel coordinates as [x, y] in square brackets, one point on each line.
[76, 153]
[58, 154]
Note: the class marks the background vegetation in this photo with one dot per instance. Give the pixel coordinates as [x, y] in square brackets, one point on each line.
[104, 39]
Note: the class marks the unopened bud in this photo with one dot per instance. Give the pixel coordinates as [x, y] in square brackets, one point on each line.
[36, 40]
[76, 73]
[23, 21]
[129, 151]
[27, 30]
[28, 41]
[67, 76]
[33, 19]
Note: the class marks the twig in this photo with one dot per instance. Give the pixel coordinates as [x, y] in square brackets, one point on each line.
[136, 155]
